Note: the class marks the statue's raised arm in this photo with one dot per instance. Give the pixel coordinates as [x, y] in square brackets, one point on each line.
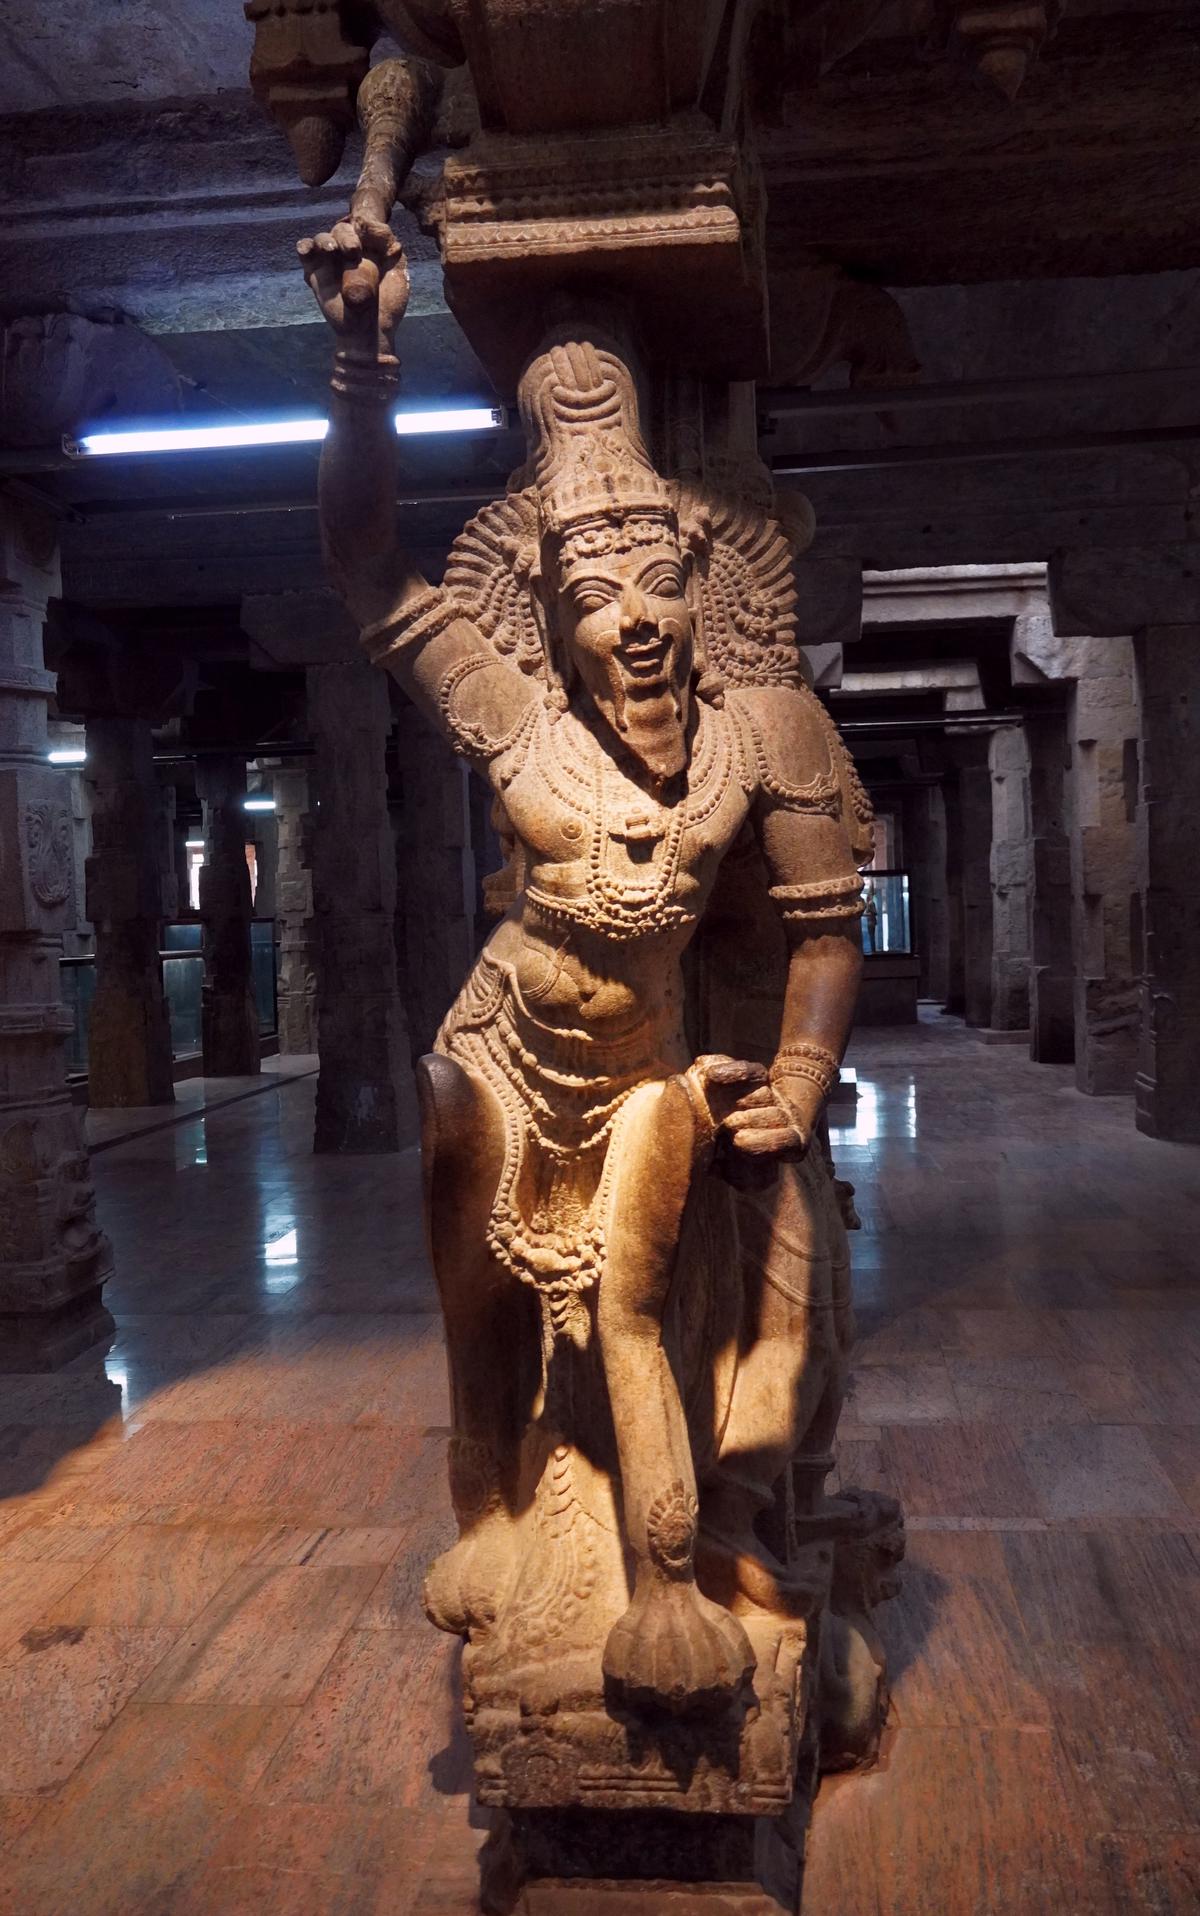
[360, 280]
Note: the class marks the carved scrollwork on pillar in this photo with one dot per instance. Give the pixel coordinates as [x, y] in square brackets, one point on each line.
[48, 843]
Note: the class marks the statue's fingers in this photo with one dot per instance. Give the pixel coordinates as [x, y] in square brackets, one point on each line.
[322, 273]
[762, 1117]
[378, 239]
[360, 285]
[734, 1071]
[765, 1144]
[754, 1100]
[347, 241]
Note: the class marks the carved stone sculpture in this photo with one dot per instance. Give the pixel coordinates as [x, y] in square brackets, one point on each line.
[633, 1220]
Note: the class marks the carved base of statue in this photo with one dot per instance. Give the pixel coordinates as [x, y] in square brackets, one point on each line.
[633, 1813]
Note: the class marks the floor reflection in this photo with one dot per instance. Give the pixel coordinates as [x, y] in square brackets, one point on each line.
[217, 1693]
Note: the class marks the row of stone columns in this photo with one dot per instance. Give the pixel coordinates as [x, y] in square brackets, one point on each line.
[1068, 840]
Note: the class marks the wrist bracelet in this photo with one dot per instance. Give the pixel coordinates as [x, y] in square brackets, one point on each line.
[809, 1061]
[365, 382]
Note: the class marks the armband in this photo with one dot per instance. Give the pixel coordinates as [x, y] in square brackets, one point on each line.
[820, 900]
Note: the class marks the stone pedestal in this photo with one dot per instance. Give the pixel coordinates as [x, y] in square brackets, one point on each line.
[53, 1258]
[294, 907]
[229, 1016]
[1051, 977]
[1011, 871]
[366, 1099]
[1168, 1073]
[435, 915]
[129, 1034]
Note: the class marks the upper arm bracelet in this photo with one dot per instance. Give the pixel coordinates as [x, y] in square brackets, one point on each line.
[820, 900]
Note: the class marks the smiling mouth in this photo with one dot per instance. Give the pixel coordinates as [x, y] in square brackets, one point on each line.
[645, 660]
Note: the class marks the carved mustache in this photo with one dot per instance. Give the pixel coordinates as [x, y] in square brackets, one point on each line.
[653, 644]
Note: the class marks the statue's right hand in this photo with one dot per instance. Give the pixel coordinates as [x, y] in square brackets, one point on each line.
[359, 278]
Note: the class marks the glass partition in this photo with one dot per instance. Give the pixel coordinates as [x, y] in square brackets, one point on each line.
[77, 980]
[183, 983]
[183, 979]
[184, 936]
[886, 926]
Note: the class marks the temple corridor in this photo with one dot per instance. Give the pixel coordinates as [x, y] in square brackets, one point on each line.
[217, 1692]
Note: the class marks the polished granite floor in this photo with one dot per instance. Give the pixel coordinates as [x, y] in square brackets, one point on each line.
[218, 1696]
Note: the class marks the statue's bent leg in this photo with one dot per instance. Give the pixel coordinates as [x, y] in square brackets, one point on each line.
[486, 1319]
[672, 1647]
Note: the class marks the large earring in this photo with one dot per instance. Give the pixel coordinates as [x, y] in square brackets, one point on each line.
[710, 686]
[556, 698]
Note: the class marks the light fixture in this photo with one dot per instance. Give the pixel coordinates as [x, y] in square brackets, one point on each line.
[271, 432]
[193, 844]
[258, 804]
[67, 755]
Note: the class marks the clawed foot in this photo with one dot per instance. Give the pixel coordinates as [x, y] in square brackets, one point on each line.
[675, 1650]
[465, 1585]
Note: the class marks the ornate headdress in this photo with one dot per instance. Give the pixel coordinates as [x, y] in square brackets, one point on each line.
[588, 462]
[589, 483]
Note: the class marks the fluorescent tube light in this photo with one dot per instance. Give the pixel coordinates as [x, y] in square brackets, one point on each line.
[193, 844]
[452, 419]
[258, 804]
[67, 755]
[271, 432]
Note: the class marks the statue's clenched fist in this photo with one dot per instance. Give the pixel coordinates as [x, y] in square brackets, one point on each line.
[359, 277]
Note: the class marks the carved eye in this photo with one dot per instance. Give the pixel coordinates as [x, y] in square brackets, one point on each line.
[591, 596]
[664, 582]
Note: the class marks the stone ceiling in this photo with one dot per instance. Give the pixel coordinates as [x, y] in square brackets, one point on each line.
[61, 52]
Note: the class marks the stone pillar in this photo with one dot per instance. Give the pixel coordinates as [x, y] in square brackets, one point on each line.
[229, 1017]
[1103, 726]
[366, 1098]
[53, 1258]
[925, 861]
[1168, 1073]
[294, 910]
[1051, 976]
[975, 813]
[1099, 802]
[168, 836]
[956, 993]
[1008, 761]
[129, 1032]
[435, 917]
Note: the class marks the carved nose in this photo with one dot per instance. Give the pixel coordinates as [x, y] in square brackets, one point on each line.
[634, 611]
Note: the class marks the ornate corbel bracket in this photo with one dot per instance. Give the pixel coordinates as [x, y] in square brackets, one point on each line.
[306, 68]
[1002, 38]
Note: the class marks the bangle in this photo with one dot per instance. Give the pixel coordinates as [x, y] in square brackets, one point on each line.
[809, 1061]
[820, 899]
[365, 382]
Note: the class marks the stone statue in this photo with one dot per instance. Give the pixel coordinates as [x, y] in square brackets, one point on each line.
[637, 1236]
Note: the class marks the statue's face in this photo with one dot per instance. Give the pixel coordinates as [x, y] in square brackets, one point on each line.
[625, 625]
